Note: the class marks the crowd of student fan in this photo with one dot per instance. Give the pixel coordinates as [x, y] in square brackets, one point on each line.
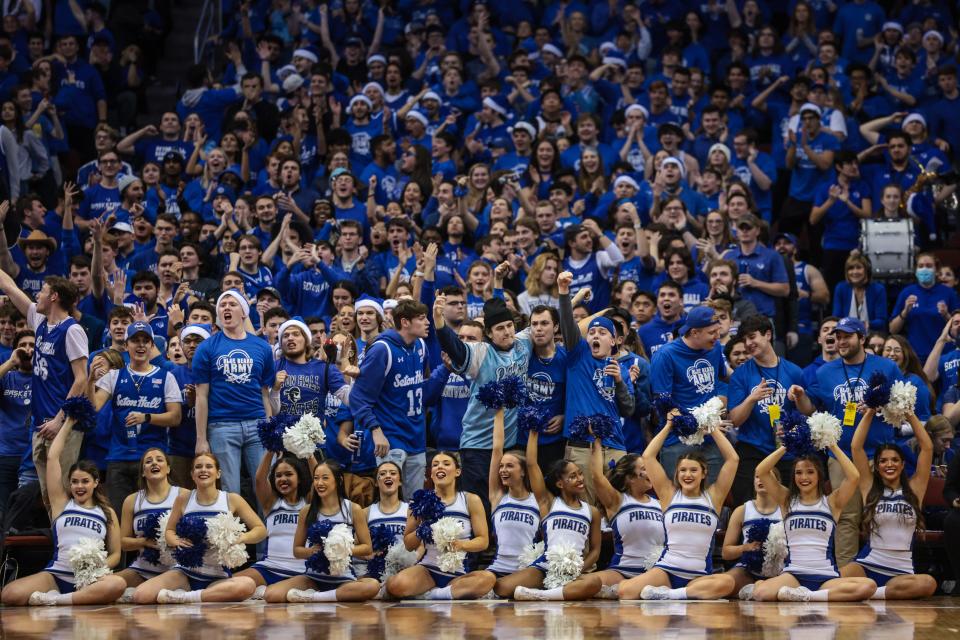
[663, 544]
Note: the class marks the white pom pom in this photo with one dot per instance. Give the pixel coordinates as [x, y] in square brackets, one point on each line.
[825, 430]
[397, 559]
[709, 416]
[564, 564]
[338, 548]
[302, 438]
[166, 558]
[445, 532]
[88, 559]
[903, 400]
[529, 554]
[774, 551]
[223, 535]
[653, 557]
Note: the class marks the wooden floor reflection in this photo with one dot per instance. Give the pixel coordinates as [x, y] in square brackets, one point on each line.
[937, 618]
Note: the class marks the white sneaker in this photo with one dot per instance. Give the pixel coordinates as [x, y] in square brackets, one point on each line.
[258, 592]
[793, 594]
[127, 596]
[43, 598]
[490, 595]
[651, 592]
[525, 593]
[747, 592]
[609, 592]
[171, 596]
[301, 595]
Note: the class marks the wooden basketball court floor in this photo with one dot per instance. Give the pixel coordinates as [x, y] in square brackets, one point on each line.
[937, 618]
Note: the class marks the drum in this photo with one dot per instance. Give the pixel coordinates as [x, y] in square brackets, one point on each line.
[888, 242]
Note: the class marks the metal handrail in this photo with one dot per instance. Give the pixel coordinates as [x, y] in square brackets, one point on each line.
[209, 23]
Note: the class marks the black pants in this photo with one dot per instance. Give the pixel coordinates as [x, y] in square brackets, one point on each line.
[834, 271]
[475, 473]
[123, 478]
[9, 479]
[750, 457]
[951, 531]
[547, 454]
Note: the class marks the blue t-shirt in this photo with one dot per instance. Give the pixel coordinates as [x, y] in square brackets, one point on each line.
[838, 383]
[805, 176]
[757, 430]
[924, 323]
[546, 384]
[690, 376]
[307, 385]
[237, 371]
[657, 332]
[841, 228]
[763, 198]
[448, 394]
[765, 265]
[182, 440]
[590, 391]
[15, 413]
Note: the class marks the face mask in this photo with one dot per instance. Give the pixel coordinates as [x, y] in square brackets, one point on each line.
[925, 276]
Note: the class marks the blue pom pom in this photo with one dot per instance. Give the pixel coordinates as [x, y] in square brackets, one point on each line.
[685, 425]
[381, 538]
[318, 532]
[376, 566]
[426, 506]
[425, 532]
[514, 391]
[491, 395]
[797, 440]
[597, 425]
[664, 404]
[194, 529]
[151, 527]
[756, 532]
[81, 410]
[532, 417]
[580, 429]
[271, 431]
[318, 564]
[878, 391]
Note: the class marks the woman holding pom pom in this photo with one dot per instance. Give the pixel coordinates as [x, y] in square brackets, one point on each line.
[426, 577]
[892, 515]
[738, 543]
[571, 532]
[207, 582]
[141, 517]
[810, 517]
[327, 505]
[82, 514]
[282, 482]
[388, 509]
[516, 512]
[690, 516]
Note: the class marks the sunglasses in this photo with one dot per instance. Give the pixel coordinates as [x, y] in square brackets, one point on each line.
[746, 227]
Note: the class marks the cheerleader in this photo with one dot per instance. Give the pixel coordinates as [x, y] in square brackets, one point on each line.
[425, 577]
[516, 512]
[810, 521]
[156, 497]
[328, 503]
[685, 569]
[568, 520]
[283, 485]
[762, 507]
[83, 513]
[388, 508]
[206, 583]
[635, 517]
[891, 515]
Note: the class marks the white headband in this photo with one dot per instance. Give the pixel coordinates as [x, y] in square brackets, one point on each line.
[293, 322]
[233, 293]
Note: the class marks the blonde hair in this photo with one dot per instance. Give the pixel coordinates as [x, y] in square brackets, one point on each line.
[534, 288]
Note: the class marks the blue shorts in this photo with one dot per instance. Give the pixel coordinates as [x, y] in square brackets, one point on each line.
[272, 576]
[62, 585]
[329, 583]
[811, 582]
[880, 578]
[676, 580]
[628, 572]
[197, 581]
[441, 578]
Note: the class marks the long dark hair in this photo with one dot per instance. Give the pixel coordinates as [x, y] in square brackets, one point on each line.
[555, 474]
[817, 463]
[142, 481]
[623, 470]
[299, 468]
[869, 523]
[314, 512]
[99, 494]
[456, 462]
[376, 485]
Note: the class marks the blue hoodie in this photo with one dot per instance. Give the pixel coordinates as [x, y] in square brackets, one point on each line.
[388, 393]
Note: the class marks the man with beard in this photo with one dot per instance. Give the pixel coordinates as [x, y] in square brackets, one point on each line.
[595, 383]
[302, 382]
[839, 390]
[183, 439]
[146, 287]
[722, 277]
[761, 390]
[662, 327]
[15, 377]
[144, 401]
[37, 249]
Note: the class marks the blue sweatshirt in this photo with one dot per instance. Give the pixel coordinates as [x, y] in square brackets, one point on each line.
[388, 393]
[448, 394]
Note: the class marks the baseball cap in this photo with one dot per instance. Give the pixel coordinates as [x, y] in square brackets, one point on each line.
[139, 327]
[698, 318]
[271, 291]
[603, 323]
[789, 237]
[850, 325]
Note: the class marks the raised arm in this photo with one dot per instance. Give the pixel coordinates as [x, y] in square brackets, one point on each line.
[55, 490]
[535, 474]
[609, 497]
[764, 471]
[494, 486]
[924, 461]
[851, 480]
[718, 490]
[662, 485]
[261, 485]
[859, 454]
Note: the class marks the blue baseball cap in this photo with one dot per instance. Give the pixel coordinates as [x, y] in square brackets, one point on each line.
[789, 237]
[225, 191]
[140, 327]
[850, 325]
[698, 318]
[603, 323]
